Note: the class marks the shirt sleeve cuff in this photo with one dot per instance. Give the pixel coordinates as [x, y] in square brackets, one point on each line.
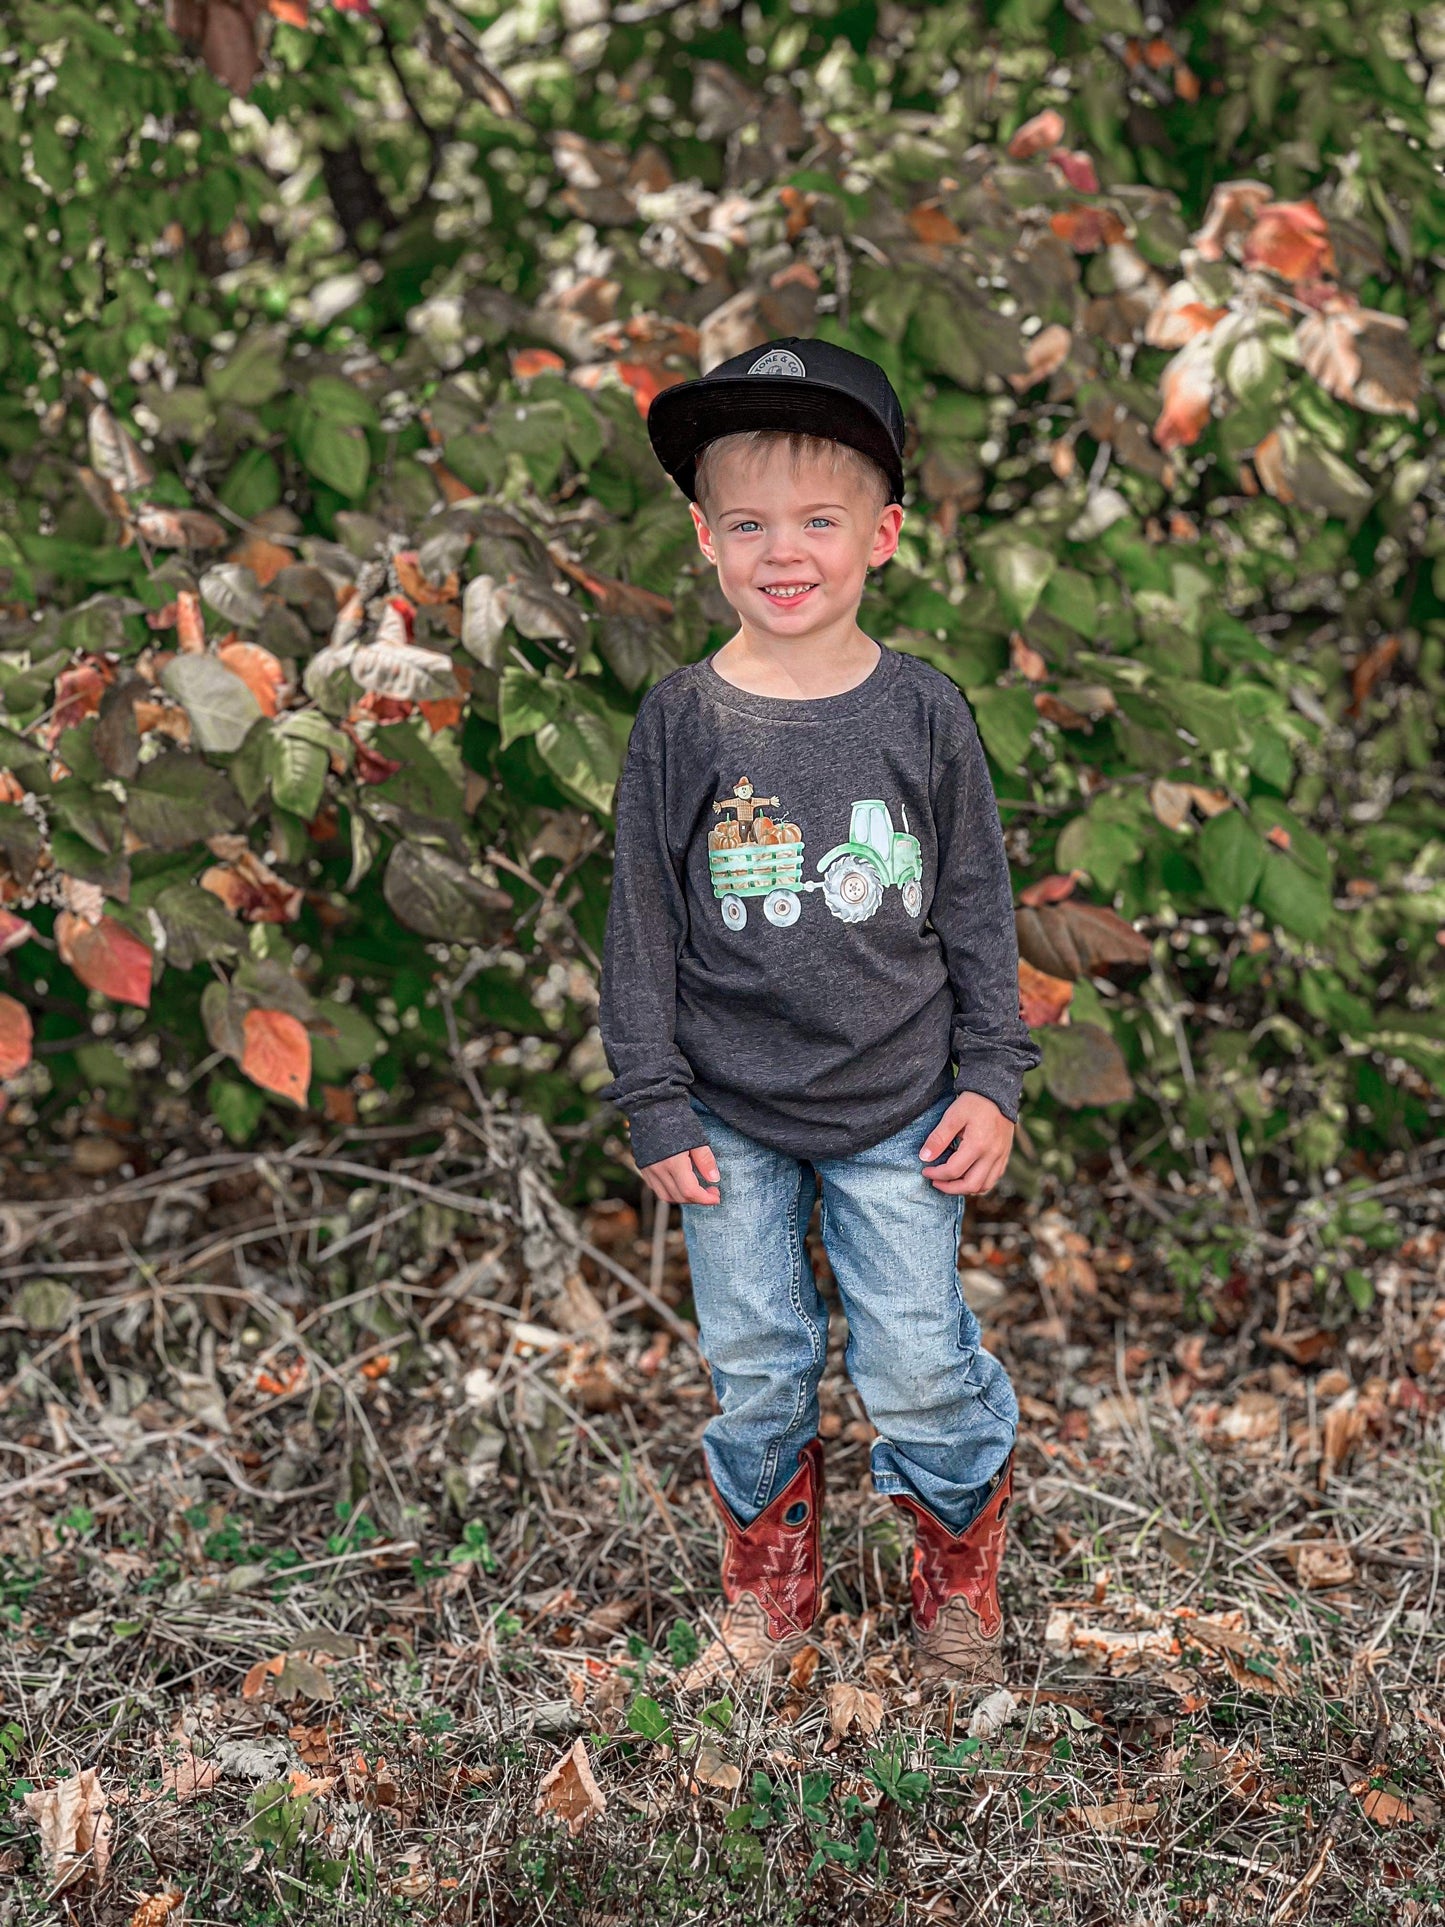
[999, 1081]
[662, 1130]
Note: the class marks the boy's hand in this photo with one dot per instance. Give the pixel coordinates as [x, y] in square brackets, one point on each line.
[688, 1177]
[979, 1159]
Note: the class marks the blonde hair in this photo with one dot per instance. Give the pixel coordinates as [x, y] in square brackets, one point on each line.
[753, 443]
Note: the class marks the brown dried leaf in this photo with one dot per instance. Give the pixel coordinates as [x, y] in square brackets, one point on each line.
[850, 1706]
[1319, 1563]
[153, 1910]
[1127, 1815]
[1386, 1809]
[186, 1776]
[570, 1793]
[1074, 938]
[713, 1768]
[75, 1828]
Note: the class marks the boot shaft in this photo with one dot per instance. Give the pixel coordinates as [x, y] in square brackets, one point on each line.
[778, 1559]
[961, 1565]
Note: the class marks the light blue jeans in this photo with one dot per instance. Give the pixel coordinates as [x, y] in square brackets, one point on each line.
[944, 1410]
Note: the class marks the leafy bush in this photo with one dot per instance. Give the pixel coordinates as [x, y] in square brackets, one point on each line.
[337, 560]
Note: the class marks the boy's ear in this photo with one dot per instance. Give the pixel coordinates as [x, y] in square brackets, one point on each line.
[704, 533]
[885, 539]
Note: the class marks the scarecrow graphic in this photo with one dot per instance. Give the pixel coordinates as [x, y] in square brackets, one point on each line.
[754, 856]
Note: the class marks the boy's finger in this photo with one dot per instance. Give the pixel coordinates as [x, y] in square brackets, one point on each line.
[954, 1166]
[706, 1164]
[938, 1141]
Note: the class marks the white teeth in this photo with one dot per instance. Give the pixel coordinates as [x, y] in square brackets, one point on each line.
[783, 594]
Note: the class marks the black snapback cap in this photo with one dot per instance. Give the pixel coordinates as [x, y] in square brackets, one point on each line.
[796, 387]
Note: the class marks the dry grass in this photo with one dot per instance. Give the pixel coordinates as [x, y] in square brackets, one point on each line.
[270, 1424]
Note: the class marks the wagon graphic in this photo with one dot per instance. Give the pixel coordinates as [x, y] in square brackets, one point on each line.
[855, 874]
[772, 871]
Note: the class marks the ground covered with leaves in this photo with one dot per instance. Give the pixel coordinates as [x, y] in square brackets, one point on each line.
[353, 1536]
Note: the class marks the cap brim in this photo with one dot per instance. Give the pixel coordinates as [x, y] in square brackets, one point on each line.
[684, 419]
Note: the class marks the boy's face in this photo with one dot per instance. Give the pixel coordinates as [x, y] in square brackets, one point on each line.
[793, 545]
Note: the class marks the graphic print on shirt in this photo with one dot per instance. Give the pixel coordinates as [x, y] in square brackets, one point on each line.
[751, 854]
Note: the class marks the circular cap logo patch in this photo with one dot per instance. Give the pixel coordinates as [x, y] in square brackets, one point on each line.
[778, 361]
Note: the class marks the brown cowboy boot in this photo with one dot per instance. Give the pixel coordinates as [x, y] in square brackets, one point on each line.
[772, 1579]
[957, 1622]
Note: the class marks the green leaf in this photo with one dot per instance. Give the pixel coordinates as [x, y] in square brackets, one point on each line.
[646, 1717]
[296, 766]
[339, 400]
[434, 894]
[584, 750]
[253, 485]
[197, 924]
[1290, 896]
[1006, 719]
[1018, 572]
[176, 800]
[236, 1107]
[355, 1042]
[527, 701]
[220, 706]
[254, 371]
[1230, 854]
[336, 453]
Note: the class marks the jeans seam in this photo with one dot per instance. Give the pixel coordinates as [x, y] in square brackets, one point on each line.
[796, 1253]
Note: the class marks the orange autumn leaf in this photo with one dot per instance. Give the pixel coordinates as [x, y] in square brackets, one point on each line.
[1292, 240]
[106, 957]
[277, 1053]
[155, 1910]
[569, 1792]
[13, 931]
[1042, 999]
[1269, 466]
[1279, 836]
[417, 586]
[254, 1684]
[1026, 659]
[527, 362]
[10, 787]
[1369, 669]
[249, 888]
[291, 13]
[263, 557]
[376, 1368]
[1078, 170]
[258, 669]
[1044, 354]
[190, 623]
[78, 691]
[1180, 316]
[1186, 83]
[932, 226]
[1187, 386]
[1037, 136]
[447, 713]
[1050, 889]
[453, 488]
[16, 1037]
[338, 1103]
[646, 383]
[1087, 229]
[1232, 208]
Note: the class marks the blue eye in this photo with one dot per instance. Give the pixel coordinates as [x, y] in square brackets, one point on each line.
[740, 528]
[825, 520]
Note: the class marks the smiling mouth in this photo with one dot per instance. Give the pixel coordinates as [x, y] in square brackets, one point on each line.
[787, 592]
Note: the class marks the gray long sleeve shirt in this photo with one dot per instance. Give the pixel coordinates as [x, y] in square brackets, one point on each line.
[811, 927]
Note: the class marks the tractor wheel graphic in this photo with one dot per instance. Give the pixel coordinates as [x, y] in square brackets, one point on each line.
[734, 912]
[781, 907]
[912, 895]
[851, 890]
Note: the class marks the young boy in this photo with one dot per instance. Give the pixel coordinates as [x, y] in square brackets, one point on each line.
[810, 923]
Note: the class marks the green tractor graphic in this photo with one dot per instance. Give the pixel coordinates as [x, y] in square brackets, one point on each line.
[856, 873]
